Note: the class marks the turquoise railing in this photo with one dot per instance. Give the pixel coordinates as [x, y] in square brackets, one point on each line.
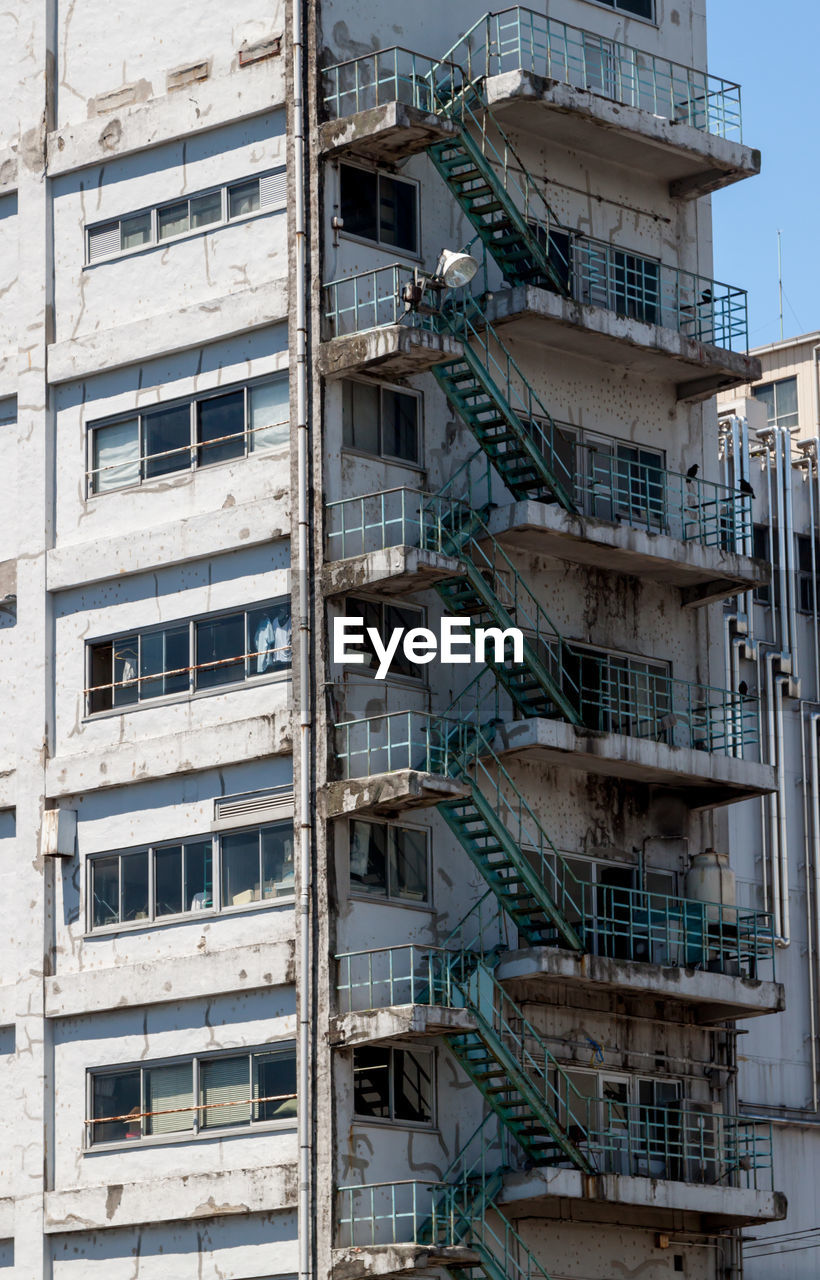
[387, 75]
[518, 39]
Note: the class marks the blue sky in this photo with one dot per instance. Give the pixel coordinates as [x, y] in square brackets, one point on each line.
[772, 52]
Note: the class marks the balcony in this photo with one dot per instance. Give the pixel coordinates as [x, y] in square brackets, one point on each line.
[632, 721]
[382, 107]
[573, 87]
[631, 312]
[631, 516]
[367, 329]
[620, 104]
[715, 959]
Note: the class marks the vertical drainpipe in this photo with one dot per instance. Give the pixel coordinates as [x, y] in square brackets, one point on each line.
[303, 975]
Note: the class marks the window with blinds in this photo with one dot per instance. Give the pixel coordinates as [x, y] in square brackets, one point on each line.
[226, 1090]
[212, 1092]
[203, 211]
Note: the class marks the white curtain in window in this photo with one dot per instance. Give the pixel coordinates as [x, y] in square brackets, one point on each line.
[270, 414]
[225, 1088]
[117, 456]
[170, 1088]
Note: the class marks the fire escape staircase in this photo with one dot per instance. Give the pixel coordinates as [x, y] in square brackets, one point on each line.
[488, 390]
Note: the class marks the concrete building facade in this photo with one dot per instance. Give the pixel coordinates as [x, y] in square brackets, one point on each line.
[769, 436]
[337, 312]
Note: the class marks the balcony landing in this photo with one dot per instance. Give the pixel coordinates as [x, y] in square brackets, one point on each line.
[404, 1021]
[704, 779]
[533, 973]
[385, 134]
[388, 793]
[360, 1261]
[393, 350]
[392, 571]
[697, 369]
[702, 573]
[605, 1197]
[690, 162]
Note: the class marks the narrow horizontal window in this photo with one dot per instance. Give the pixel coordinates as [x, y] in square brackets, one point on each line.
[215, 873]
[189, 213]
[190, 434]
[185, 657]
[192, 1095]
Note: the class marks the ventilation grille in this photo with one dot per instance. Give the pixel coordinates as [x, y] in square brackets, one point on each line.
[254, 806]
[273, 189]
[103, 240]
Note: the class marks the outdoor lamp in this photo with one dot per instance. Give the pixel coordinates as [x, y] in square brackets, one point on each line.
[455, 269]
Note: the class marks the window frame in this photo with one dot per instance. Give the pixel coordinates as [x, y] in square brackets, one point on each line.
[805, 578]
[390, 899]
[615, 7]
[153, 920]
[774, 383]
[91, 645]
[193, 464]
[198, 1131]
[414, 254]
[383, 455]
[413, 1048]
[153, 212]
[369, 671]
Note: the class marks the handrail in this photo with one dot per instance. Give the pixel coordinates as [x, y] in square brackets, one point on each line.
[519, 39]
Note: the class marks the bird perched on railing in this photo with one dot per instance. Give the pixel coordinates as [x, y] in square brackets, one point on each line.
[692, 472]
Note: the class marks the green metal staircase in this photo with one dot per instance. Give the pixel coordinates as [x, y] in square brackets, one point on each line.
[506, 205]
[460, 1216]
[488, 390]
[490, 592]
[524, 238]
[504, 840]
[507, 1060]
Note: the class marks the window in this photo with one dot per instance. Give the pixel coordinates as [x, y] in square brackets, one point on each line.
[189, 214]
[194, 433]
[780, 399]
[393, 1084]
[381, 420]
[187, 657]
[189, 1096]
[639, 8]
[213, 874]
[377, 207]
[388, 861]
[806, 572]
[383, 618]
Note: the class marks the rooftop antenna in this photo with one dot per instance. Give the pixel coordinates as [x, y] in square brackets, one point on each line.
[780, 277]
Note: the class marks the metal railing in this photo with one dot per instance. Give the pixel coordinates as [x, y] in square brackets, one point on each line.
[636, 924]
[400, 740]
[599, 274]
[518, 39]
[649, 291]
[386, 75]
[627, 696]
[620, 481]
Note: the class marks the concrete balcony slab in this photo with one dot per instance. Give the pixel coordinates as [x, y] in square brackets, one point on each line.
[697, 369]
[388, 793]
[703, 574]
[690, 162]
[358, 1262]
[407, 1021]
[384, 134]
[394, 350]
[534, 973]
[704, 779]
[392, 571]
[603, 1197]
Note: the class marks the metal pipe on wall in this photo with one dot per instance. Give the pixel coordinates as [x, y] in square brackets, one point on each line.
[304, 968]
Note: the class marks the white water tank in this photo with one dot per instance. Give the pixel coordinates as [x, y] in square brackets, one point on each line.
[711, 879]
